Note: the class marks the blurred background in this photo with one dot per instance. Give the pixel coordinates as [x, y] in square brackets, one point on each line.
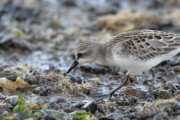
[37, 43]
[45, 32]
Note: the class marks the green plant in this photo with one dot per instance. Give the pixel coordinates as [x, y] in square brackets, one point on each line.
[82, 115]
[23, 111]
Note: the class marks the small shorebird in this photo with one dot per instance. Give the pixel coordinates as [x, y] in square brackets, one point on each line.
[135, 51]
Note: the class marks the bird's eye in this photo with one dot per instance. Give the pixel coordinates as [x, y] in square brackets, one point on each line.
[79, 55]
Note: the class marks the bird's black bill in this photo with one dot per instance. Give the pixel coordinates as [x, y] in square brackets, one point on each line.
[75, 63]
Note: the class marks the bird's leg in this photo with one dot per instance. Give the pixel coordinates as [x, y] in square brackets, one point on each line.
[112, 92]
[153, 77]
[123, 84]
[152, 85]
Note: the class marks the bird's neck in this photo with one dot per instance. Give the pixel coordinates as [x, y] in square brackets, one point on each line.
[101, 54]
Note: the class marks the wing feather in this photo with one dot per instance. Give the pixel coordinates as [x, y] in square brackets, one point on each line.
[146, 44]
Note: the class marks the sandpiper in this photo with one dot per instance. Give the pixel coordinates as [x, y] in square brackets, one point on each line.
[135, 51]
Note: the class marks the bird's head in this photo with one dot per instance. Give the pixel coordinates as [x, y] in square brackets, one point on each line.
[84, 53]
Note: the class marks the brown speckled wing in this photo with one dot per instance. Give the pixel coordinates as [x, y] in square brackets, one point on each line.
[147, 44]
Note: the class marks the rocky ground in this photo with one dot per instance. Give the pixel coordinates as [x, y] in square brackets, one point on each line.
[37, 43]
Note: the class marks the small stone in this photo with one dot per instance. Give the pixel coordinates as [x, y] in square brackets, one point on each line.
[150, 99]
[75, 79]
[95, 69]
[79, 104]
[61, 100]
[133, 99]
[123, 102]
[170, 74]
[101, 109]
[2, 97]
[160, 69]
[177, 69]
[49, 90]
[41, 90]
[132, 110]
[12, 78]
[162, 94]
[177, 86]
[169, 62]
[121, 108]
[14, 101]
[176, 108]
[161, 116]
[53, 105]
[29, 80]
[69, 3]
[171, 85]
[112, 109]
[167, 109]
[90, 106]
[112, 116]
[48, 117]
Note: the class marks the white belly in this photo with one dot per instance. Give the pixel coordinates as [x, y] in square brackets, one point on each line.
[133, 65]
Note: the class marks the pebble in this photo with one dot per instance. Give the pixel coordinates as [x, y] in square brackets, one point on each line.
[167, 109]
[14, 101]
[177, 86]
[61, 100]
[41, 90]
[12, 78]
[123, 102]
[173, 86]
[132, 110]
[95, 69]
[29, 80]
[69, 3]
[177, 69]
[162, 94]
[112, 116]
[176, 108]
[48, 117]
[2, 97]
[160, 116]
[90, 106]
[79, 104]
[49, 90]
[75, 79]
[133, 99]
[53, 105]
[101, 108]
